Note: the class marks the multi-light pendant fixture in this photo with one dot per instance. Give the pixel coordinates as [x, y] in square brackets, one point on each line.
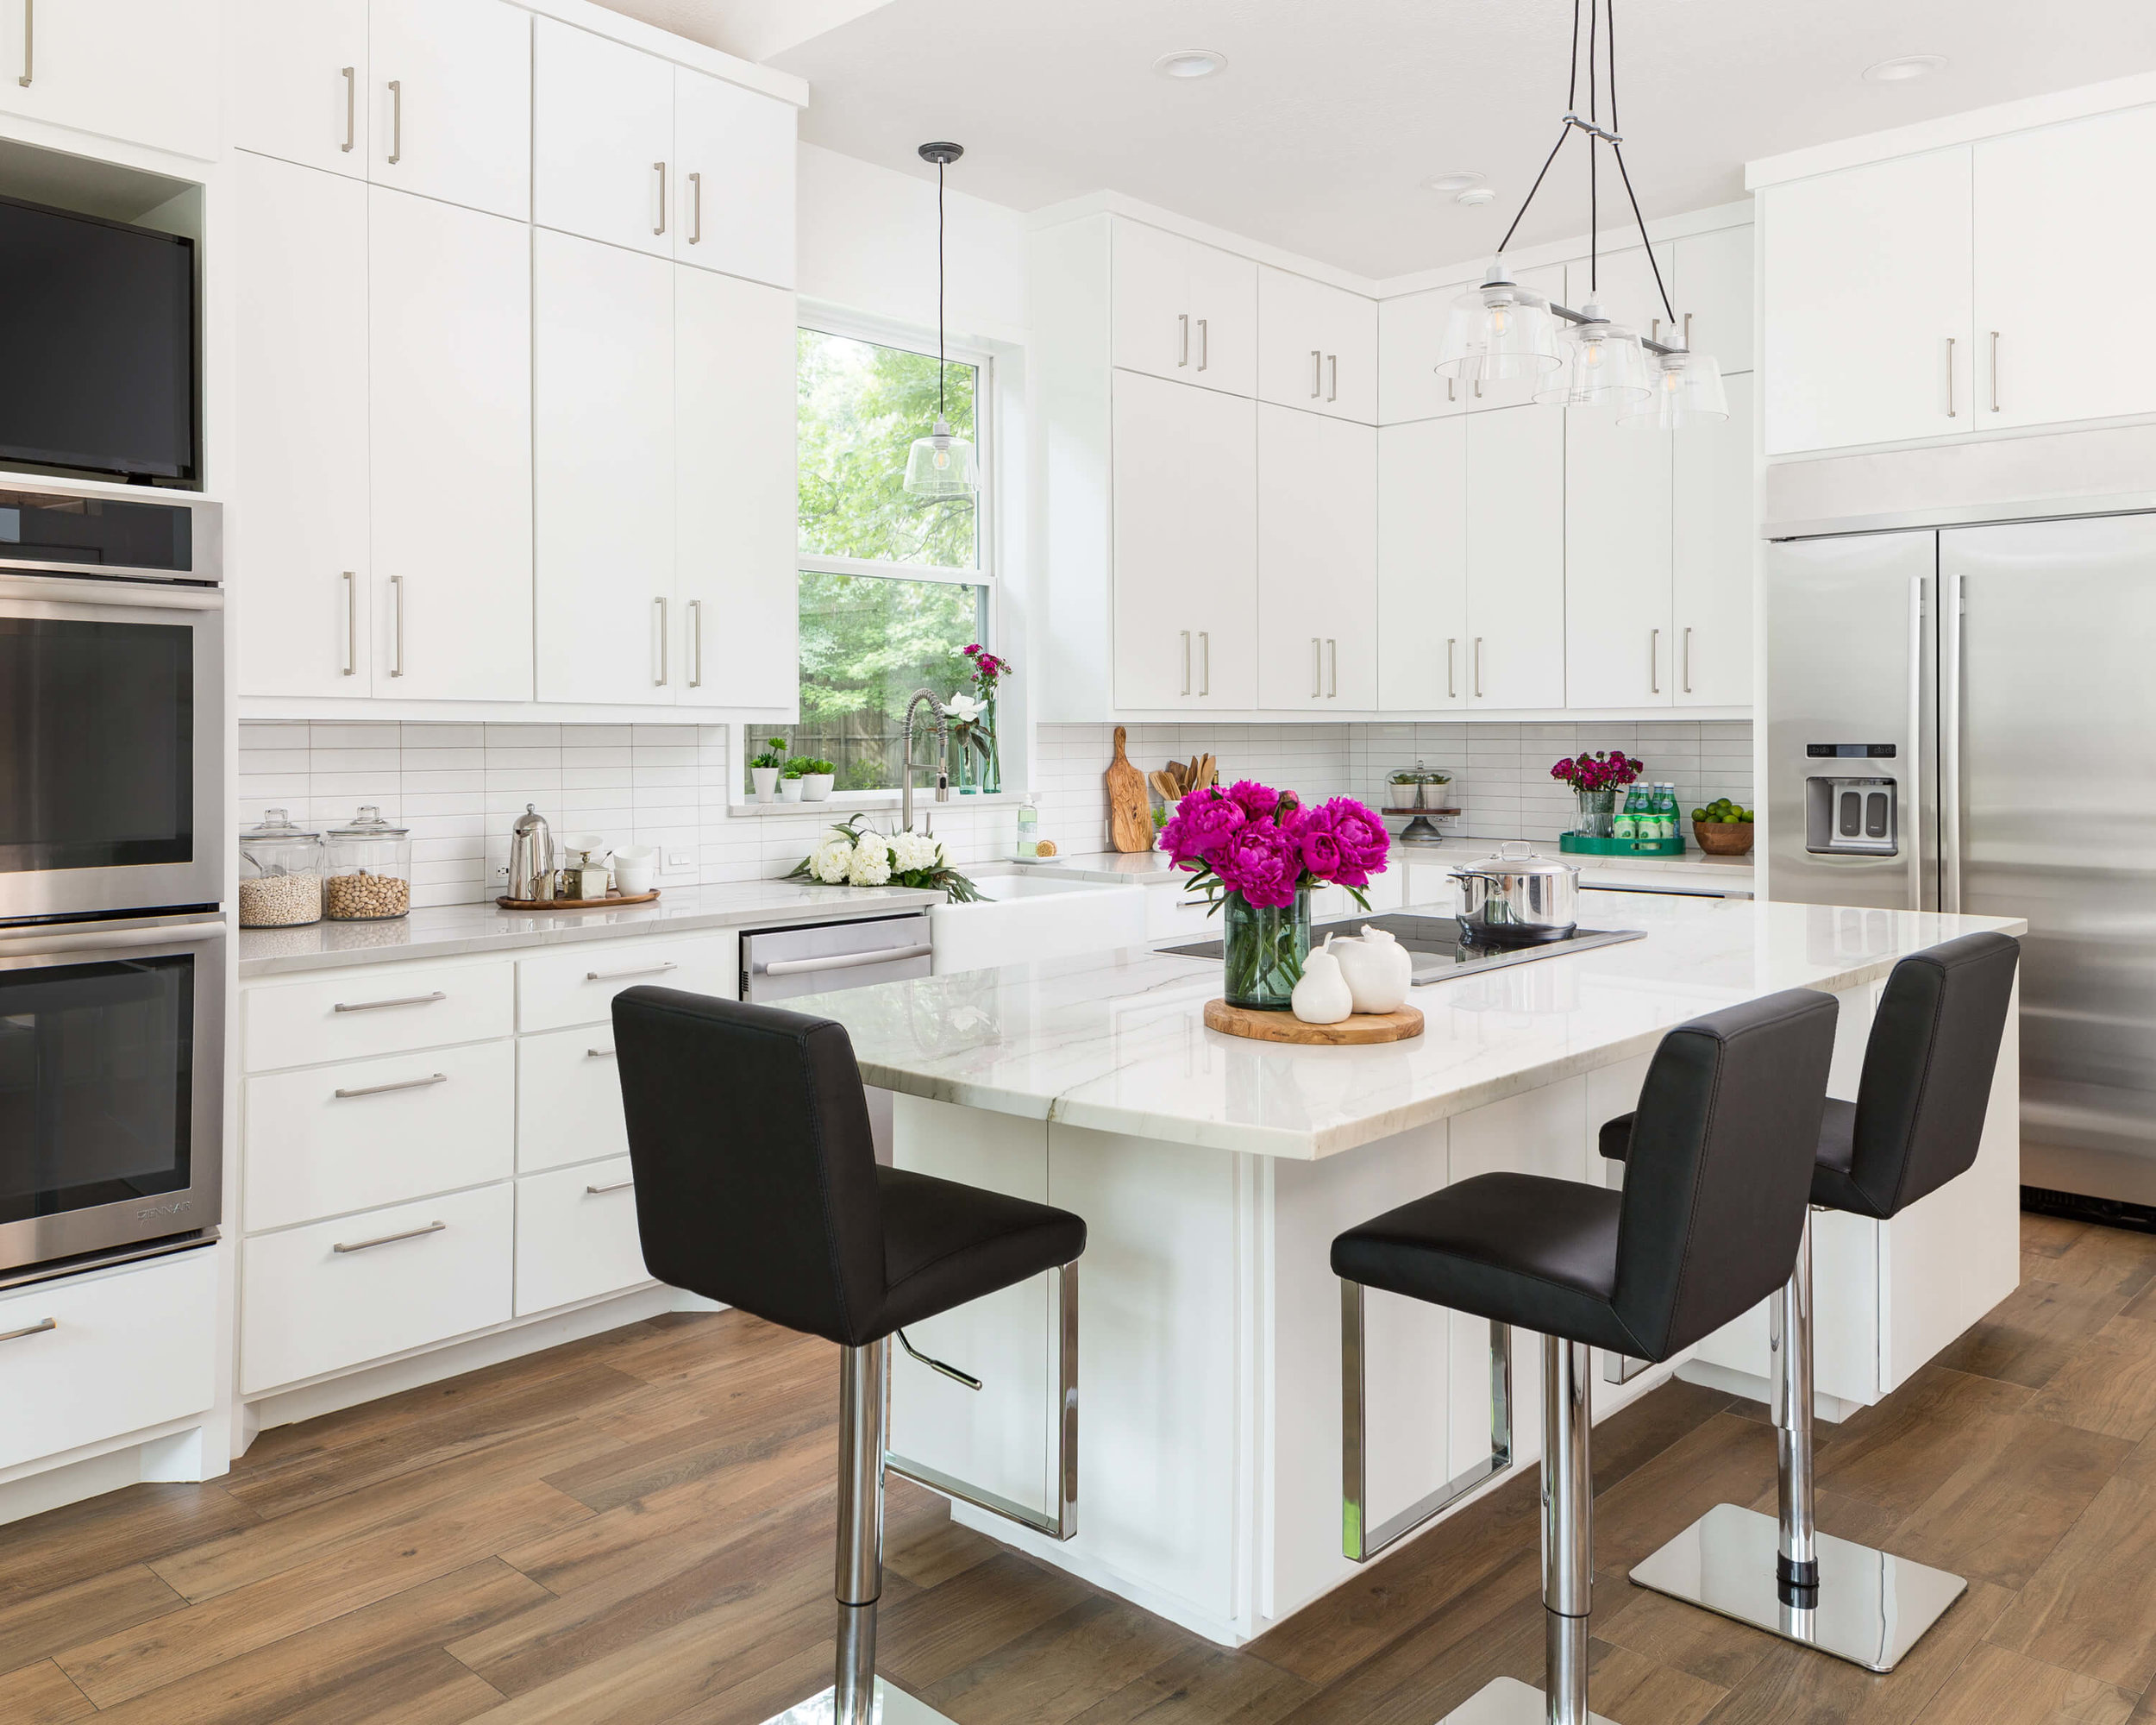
[1500, 331]
[940, 465]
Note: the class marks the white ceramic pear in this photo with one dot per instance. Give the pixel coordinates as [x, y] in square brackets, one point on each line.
[1322, 996]
[1379, 972]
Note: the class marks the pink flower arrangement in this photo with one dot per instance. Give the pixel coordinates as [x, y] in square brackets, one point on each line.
[1267, 845]
[1599, 771]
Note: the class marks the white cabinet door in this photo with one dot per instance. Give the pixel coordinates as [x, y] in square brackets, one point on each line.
[1624, 283]
[1422, 565]
[300, 82]
[603, 402]
[1183, 310]
[1317, 347]
[1482, 397]
[736, 398]
[1317, 562]
[149, 72]
[1868, 314]
[1224, 304]
[733, 162]
[1714, 540]
[1618, 648]
[300, 365]
[449, 108]
[1410, 333]
[1186, 547]
[2050, 228]
[602, 139]
[1712, 292]
[1515, 558]
[449, 360]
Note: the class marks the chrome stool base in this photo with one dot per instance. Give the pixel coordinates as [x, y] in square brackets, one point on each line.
[1869, 1607]
[1509, 1702]
[893, 1706]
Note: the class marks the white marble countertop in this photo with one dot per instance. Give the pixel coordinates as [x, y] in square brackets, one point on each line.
[449, 929]
[1116, 1042]
[1154, 865]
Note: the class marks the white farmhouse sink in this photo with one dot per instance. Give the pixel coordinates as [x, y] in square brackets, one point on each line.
[1028, 916]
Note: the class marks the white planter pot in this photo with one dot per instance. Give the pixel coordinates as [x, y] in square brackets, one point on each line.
[815, 787]
[790, 790]
[766, 780]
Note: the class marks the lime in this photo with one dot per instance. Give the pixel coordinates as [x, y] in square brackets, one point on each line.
[1699, 815]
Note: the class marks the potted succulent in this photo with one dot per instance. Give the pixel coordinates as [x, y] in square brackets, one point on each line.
[818, 776]
[790, 780]
[763, 769]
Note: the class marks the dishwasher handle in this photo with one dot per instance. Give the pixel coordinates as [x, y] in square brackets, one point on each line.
[839, 961]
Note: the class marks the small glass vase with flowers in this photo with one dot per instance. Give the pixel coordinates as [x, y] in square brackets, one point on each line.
[1595, 780]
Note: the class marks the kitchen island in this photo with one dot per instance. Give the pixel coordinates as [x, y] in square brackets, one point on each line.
[1213, 1172]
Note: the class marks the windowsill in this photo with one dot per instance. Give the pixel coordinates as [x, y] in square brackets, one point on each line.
[840, 803]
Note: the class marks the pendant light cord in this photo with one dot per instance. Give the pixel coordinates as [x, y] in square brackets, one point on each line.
[939, 291]
[1618, 150]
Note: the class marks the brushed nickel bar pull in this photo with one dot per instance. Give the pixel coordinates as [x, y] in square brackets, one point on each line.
[1185, 633]
[618, 1186]
[659, 168]
[1205, 345]
[659, 606]
[1994, 371]
[1654, 328]
[1478, 389]
[37, 1329]
[1183, 319]
[1333, 650]
[1317, 373]
[696, 209]
[395, 121]
[351, 109]
[1478, 668]
[1687, 658]
[401, 1084]
[377, 1005]
[599, 1054]
[1654, 661]
[397, 592]
[696, 636]
[1951, 413]
[1452, 668]
[639, 971]
[29, 42]
[1205, 655]
[1333, 377]
[351, 622]
[389, 1240]
[1317, 668]
[1451, 394]
[1688, 332]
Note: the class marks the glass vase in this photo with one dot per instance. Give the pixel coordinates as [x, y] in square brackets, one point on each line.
[991, 760]
[1598, 812]
[1263, 951]
[965, 761]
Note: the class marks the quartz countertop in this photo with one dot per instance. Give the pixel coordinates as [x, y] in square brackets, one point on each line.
[1733, 872]
[449, 929]
[1116, 1042]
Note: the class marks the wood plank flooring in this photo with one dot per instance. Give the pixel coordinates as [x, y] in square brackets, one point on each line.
[637, 1529]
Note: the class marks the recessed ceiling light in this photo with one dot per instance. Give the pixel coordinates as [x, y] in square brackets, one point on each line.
[1474, 195]
[1190, 63]
[1902, 70]
[1458, 180]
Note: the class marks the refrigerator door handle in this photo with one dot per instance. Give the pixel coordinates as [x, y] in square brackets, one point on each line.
[1950, 603]
[1912, 835]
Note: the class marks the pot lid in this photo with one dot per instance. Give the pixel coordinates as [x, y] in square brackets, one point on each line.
[1518, 857]
[277, 824]
[369, 823]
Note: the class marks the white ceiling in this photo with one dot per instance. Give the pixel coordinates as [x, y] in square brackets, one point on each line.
[1318, 134]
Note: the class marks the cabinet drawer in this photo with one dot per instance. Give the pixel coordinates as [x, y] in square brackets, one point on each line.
[306, 1308]
[1171, 913]
[573, 1242]
[568, 1098]
[372, 1009]
[578, 987]
[333, 1138]
[107, 1355]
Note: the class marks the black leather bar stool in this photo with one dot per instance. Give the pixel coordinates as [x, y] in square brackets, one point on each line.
[1705, 1228]
[757, 1186]
[1915, 1125]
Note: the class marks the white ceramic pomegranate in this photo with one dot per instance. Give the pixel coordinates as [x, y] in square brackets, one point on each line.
[1379, 972]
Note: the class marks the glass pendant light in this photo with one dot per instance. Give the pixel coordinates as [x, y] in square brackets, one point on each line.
[1607, 368]
[1499, 331]
[1686, 391]
[940, 465]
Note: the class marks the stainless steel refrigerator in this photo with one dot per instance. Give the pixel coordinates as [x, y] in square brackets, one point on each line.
[1965, 720]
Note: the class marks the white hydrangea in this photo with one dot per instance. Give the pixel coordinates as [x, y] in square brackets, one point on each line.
[871, 865]
[833, 861]
[915, 850]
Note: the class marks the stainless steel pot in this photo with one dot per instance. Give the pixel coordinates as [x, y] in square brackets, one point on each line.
[1518, 898]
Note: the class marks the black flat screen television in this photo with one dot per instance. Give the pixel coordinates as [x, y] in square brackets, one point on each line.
[97, 344]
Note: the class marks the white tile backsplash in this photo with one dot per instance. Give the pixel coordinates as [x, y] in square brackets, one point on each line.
[460, 786]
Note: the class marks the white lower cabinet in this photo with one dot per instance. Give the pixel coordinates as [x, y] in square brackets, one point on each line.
[375, 1009]
[568, 1098]
[91, 1357]
[576, 1235]
[337, 1293]
[578, 986]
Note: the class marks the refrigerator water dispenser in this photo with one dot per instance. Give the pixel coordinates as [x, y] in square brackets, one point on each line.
[1852, 816]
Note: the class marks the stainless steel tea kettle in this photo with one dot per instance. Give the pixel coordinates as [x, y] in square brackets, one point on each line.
[530, 856]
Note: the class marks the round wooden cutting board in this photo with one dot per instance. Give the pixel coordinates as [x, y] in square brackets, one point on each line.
[1354, 1031]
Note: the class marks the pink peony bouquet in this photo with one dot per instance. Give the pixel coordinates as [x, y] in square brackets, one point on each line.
[1266, 845]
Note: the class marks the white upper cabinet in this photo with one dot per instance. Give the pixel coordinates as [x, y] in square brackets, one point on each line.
[1185, 547]
[733, 165]
[1183, 310]
[1868, 318]
[1317, 562]
[1515, 559]
[449, 363]
[300, 82]
[448, 101]
[1714, 541]
[146, 72]
[603, 383]
[602, 142]
[1317, 346]
[1422, 564]
[1410, 331]
[300, 422]
[736, 398]
[1713, 291]
[2054, 226]
[1617, 645]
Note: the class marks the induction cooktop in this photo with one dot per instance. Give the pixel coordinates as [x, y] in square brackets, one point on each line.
[1439, 945]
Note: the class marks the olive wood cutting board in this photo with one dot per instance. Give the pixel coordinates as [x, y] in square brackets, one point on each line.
[1130, 812]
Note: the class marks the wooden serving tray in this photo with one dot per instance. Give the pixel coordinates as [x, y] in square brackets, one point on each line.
[608, 903]
[1355, 1030]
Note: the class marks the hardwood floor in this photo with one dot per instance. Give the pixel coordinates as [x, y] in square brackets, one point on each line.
[637, 1529]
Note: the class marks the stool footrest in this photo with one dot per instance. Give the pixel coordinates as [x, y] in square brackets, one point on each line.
[1871, 1608]
[1509, 1702]
[893, 1706]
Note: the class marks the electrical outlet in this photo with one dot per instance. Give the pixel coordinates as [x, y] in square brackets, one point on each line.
[679, 862]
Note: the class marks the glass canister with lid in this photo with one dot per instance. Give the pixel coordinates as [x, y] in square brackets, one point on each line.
[280, 873]
[370, 869]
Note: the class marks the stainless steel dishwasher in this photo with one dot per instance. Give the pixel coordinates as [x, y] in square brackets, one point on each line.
[779, 965]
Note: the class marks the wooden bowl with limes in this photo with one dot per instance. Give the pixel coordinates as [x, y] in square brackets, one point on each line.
[1723, 837]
